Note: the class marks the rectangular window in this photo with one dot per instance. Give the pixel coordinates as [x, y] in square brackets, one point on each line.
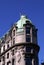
[28, 61]
[13, 40]
[28, 49]
[28, 38]
[12, 61]
[3, 58]
[13, 32]
[13, 52]
[7, 55]
[4, 48]
[7, 45]
[27, 31]
[34, 37]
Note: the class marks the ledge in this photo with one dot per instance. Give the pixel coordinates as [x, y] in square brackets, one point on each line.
[35, 46]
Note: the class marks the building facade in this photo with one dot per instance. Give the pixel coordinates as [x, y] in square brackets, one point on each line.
[19, 46]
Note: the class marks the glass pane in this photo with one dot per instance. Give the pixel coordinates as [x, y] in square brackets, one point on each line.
[27, 38]
[27, 31]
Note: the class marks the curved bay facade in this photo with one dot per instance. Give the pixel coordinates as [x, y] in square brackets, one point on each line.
[19, 46]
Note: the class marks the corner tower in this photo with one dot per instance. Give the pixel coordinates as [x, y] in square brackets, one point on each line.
[27, 47]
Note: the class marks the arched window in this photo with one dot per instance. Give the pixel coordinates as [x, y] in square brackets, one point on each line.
[13, 32]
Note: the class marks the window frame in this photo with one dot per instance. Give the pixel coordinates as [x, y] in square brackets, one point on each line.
[7, 55]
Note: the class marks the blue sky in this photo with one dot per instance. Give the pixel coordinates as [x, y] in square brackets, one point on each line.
[10, 11]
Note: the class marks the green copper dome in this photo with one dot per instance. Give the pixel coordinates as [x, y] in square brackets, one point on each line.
[22, 21]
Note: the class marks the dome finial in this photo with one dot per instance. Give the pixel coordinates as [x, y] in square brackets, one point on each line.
[23, 16]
